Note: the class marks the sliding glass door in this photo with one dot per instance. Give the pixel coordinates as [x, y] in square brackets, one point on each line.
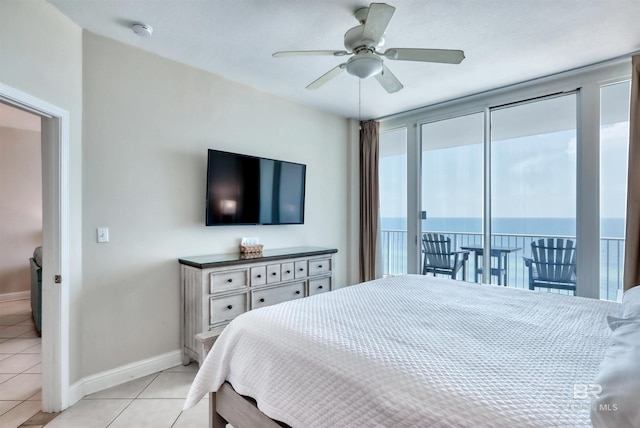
[537, 185]
[533, 194]
[451, 195]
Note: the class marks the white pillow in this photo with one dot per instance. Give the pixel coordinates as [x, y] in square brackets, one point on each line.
[618, 405]
[631, 303]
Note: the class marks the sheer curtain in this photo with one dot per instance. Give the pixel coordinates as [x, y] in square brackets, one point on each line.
[632, 239]
[369, 199]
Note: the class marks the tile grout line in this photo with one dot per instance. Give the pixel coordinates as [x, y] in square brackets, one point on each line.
[121, 412]
[176, 420]
[132, 400]
[148, 385]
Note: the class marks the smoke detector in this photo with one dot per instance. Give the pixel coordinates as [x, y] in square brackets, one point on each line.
[142, 30]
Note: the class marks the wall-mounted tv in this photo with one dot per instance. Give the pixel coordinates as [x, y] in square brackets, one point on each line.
[249, 190]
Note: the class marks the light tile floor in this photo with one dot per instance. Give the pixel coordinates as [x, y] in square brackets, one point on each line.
[152, 401]
[20, 368]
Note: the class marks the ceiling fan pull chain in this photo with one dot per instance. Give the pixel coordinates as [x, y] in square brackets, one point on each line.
[359, 103]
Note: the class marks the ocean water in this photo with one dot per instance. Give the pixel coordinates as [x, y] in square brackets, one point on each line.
[609, 227]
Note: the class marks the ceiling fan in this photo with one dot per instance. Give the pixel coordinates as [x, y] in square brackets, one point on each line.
[363, 42]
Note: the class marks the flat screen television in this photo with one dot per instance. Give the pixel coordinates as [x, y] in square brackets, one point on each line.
[249, 190]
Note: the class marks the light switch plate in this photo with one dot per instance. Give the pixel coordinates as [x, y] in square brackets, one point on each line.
[103, 234]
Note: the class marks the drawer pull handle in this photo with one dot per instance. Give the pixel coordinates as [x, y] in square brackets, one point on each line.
[288, 271]
[301, 269]
[230, 307]
[230, 280]
[273, 273]
[262, 300]
[319, 266]
[297, 291]
[259, 276]
[320, 287]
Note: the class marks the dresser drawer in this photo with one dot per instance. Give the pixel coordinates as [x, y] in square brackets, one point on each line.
[258, 275]
[319, 266]
[271, 296]
[226, 308]
[227, 280]
[301, 269]
[273, 274]
[287, 271]
[319, 285]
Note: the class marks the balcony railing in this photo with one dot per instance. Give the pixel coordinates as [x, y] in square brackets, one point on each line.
[394, 256]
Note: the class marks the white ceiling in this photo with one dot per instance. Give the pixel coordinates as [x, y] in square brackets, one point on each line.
[505, 42]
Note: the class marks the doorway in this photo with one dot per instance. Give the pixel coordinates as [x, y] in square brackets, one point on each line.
[55, 243]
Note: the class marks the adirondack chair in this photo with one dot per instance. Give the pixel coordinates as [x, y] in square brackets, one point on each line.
[438, 257]
[553, 264]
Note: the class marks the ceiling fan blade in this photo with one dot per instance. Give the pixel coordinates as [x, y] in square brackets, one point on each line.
[377, 21]
[327, 76]
[309, 53]
[388, 80]
[446, 56]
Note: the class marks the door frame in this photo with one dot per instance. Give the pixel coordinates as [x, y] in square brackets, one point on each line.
[55, 244]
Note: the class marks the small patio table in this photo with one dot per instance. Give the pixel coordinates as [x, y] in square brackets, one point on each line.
[502, 255]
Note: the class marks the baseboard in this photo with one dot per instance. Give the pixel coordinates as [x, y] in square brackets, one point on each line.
[18, 295]
[110, 378]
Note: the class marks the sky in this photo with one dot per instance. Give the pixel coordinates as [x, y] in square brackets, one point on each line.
[533, 175]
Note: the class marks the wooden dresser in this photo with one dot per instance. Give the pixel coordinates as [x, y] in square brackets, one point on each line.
[217, 288]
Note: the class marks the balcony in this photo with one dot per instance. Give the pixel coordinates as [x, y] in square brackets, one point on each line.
[394, 256]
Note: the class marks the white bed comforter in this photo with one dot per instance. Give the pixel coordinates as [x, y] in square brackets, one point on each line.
[415, 351]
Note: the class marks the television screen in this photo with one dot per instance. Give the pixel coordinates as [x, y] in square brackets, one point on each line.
[247, 190]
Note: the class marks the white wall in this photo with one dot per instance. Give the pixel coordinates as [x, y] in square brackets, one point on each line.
[148, 123]
[46, 62]
[20, 207]
[139, 169]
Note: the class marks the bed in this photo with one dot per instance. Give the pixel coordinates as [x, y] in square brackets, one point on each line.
[410, 351]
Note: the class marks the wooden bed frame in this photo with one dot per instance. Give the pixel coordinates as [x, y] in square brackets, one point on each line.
[227, 406]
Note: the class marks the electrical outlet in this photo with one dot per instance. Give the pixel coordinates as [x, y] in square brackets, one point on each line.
[103, 234]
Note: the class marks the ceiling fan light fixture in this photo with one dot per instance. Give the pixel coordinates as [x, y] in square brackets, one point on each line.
[364, 65]
[364, 41]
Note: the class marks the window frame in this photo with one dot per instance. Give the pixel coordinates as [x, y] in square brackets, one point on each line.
[586, 83]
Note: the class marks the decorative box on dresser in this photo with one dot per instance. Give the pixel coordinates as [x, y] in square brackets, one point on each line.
[217, 288]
